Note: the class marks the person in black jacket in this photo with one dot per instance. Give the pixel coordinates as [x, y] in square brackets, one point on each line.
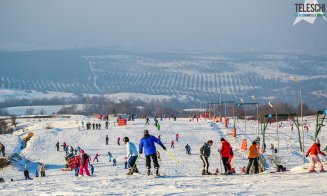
[204, 154]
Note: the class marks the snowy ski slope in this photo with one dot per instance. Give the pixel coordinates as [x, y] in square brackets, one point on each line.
[181, 177]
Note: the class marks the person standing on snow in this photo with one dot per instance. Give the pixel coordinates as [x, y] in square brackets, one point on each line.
[96, 157]
[107, 140]
[147, 121]
[64, 146]
[204, 155]
[42, 170]
[109, 156]
[313, 151]
[85, 164]
[57, 146]
[253, 158]
[172, 144]
[131, 156]
[147, 142]
[27, 174]
[177, 137]
[225, 154]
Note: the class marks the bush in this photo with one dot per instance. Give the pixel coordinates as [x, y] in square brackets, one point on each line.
[4, 163]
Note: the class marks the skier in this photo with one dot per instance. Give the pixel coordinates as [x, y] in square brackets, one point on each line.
[225, 154]
[188, 149]
[147, 142]
[158, 126]
[131, 156]
[107, 124]
[99, 126]
[177, 136]
[109, 156]
[66, 150]
[85, 163]
[313, 151]
[172, 144]
[93, 125]
[107, 140]
[42, 170]
[64, 146]
[57, 145]
[147, 121]
[204, 155]
[272, 148]
[253, 158]
[96, 157]
[27, 174]
[114, 162]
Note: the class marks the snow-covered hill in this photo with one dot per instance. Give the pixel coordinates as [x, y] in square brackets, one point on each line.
[180, 176]
[197, 76]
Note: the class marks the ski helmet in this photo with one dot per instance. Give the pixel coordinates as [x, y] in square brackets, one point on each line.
[126, 139]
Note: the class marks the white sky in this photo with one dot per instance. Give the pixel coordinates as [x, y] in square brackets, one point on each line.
[252, 25]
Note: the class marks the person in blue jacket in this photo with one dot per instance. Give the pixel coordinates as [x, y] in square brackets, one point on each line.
[150, 151]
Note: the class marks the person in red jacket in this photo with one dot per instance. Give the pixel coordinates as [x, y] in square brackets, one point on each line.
[225, 155]
[313, 152]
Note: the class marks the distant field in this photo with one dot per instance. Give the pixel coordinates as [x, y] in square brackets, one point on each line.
[199, 76]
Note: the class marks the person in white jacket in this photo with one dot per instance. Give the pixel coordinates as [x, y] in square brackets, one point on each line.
[131, 156]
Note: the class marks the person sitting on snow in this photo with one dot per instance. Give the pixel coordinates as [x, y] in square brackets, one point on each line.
[313, 151]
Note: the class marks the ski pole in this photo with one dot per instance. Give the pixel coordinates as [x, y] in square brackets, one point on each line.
[169, 154]
[135, 163]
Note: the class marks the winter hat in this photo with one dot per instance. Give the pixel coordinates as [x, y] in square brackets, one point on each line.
[126, 139]
[146, 131]
[222, 139]
[210, 141]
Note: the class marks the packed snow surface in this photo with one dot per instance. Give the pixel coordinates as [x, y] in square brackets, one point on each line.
[181, 173]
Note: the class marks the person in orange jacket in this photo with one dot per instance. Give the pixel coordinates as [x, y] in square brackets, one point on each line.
[253, 158]
[313, 152]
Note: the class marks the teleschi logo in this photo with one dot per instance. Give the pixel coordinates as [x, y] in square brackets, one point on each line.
[309, 11]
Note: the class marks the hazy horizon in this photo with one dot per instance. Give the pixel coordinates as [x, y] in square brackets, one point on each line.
[233, 26]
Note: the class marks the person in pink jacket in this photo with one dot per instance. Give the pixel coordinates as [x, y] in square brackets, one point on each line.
[85, 164]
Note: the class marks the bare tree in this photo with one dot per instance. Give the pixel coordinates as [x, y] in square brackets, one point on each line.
[29, 111]
[13, 119]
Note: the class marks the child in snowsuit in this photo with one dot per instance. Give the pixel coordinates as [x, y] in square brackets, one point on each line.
[313, 152]
[96, 157]
[109, 156]
[114, 162]
[147, 142]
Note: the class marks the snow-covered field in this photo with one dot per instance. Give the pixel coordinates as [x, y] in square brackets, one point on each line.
[179, 177]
